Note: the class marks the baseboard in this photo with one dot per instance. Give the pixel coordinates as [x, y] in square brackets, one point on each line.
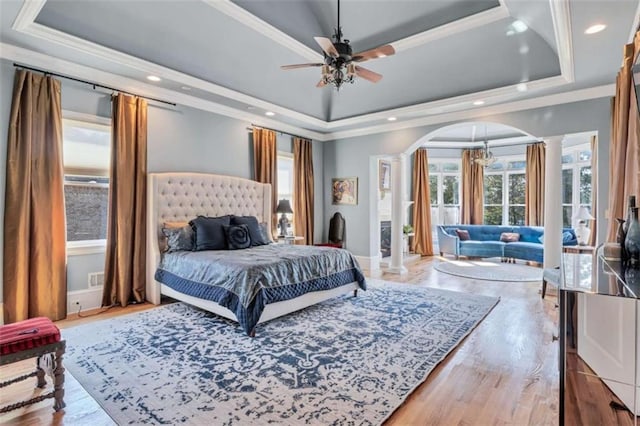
[84, 300]
[368, 263]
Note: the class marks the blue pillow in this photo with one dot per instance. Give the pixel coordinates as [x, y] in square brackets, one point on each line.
[255, 233]
[567, 237]
[210, 232]
[237, 236]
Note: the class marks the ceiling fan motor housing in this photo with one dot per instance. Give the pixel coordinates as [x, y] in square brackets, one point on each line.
[344, 52]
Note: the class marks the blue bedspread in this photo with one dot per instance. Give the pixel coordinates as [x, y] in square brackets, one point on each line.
[244, 281]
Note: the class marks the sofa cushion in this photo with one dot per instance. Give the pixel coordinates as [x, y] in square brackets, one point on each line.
[481, 248]
[530, 234]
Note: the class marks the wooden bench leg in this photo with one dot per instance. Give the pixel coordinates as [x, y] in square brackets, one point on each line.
[40, 374]
[544, 288]
[355, 293]
[58, 381]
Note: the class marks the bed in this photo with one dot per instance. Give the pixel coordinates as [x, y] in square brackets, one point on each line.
[273, 287]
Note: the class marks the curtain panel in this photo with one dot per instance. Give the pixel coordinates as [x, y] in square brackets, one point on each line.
[265, 166]
[125, 263]
[34, 263]
[624, 148]
[303, 189]
[422, 240]
[472, 188]
[534, 189]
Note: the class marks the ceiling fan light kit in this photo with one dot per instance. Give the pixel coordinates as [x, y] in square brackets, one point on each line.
[338, 67]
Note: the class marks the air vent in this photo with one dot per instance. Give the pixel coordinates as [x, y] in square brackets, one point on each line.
[96, 279]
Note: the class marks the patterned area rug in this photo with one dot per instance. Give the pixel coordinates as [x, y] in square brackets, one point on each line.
[350, 360]
[490, 270]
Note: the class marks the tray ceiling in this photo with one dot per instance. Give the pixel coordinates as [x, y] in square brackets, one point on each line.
[449, 53]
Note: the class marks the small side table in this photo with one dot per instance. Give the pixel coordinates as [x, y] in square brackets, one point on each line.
[289, 240]
[578, 249]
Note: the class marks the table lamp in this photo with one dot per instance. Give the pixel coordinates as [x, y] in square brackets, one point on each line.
[284, 207]
[582, 231]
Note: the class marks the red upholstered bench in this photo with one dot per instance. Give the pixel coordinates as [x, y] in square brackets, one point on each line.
[36, 337]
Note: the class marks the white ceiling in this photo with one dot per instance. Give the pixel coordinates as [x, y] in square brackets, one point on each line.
[228, 54]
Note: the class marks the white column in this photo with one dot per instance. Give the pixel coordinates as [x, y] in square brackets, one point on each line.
[397, 214]
[553, 202]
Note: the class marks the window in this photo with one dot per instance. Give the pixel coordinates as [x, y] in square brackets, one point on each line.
[444, 189]
[576, 182]
[515, 200]
[493, 207]
[87, 156]
[285, 180]
[504, 192]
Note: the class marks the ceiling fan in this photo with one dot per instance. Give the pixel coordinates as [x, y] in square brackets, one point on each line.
[338, 66]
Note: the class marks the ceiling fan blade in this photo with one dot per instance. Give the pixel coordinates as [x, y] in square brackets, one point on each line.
[373, 77]
[327, 46]
[378, 52]
[296, 66]
[321, 83]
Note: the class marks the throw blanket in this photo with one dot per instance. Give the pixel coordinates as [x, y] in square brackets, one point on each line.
[244, 281]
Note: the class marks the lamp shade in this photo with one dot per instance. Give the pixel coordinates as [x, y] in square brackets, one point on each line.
[284, 207]
[583, 214]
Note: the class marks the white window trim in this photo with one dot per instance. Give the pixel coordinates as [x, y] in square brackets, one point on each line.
[80, 248]
[576, 165]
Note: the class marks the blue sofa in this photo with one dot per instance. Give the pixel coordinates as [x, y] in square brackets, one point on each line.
[485, 241]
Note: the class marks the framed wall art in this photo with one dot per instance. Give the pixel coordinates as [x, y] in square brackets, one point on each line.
[344, 190]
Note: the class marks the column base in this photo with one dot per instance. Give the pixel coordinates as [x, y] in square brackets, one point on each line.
[400, 270]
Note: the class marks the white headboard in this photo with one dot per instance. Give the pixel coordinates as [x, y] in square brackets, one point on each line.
[180, 197]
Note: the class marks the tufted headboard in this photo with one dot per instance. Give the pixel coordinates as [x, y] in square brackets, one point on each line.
[180, 197]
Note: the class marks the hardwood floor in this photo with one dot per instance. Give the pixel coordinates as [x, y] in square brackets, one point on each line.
[504, 372]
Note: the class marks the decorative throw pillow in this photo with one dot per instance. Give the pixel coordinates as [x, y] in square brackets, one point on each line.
[567, 237]
[266, 233]
[209, 232]
[509, 237]
[237, 236]
[541, 239]
[257, 239]
[463, 234]
[178, 239]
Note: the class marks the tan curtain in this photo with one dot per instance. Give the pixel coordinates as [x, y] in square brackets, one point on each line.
[534, 189]
[593, 225]
[625, 140]
[303, 189]
[34, 266]
[265, 166]
[422, 240]
[472, 188]
[125, 264]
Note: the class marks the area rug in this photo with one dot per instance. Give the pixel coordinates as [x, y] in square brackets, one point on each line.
[490, 270]
[350, 360]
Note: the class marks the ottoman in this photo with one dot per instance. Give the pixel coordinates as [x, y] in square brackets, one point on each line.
[34, 338]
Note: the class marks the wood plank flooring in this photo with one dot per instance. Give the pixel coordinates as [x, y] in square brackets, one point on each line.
[504, 372]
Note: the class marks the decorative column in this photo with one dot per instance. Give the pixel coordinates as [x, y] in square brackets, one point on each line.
[553, 202]
[397, 214]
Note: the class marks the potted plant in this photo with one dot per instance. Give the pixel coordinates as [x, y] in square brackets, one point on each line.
[407, 231]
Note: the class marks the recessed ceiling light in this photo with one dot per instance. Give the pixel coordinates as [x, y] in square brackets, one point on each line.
[478, 103]
[522, 87]
[519, 26]
[524, 49]
[270, 113]
[153, 78]
[392, 119]
[186, 88]
[595, 29]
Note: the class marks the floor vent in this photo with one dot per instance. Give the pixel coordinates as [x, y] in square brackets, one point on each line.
[96, 279]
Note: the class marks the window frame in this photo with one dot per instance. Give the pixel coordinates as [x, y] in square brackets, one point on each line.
[84, 247]
[288, 156]
[576, 165]
[506, 173]
[439, 203]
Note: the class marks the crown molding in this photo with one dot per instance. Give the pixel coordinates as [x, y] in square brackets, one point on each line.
[27, 14]
[251, 21]
[539, 102]
[72, 69]
[561, 18]
[451, 28]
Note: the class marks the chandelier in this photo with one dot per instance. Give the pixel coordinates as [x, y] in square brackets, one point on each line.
[485, 157]
[338, 74]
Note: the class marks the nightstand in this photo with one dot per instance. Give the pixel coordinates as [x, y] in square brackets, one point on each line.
[578, 249]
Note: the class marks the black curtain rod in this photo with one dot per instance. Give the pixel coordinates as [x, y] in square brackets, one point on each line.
[482, 146]
[277, 131]
[90, 83]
